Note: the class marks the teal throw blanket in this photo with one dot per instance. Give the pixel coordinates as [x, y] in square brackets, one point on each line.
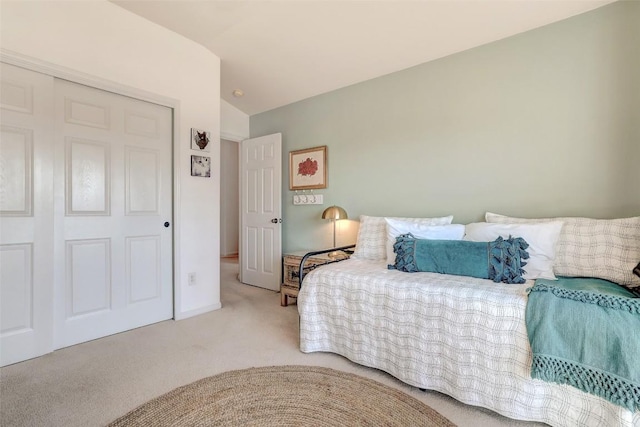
[586, 333]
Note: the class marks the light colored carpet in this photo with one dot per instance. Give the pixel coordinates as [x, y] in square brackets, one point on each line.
[277, 396]
[94, 383]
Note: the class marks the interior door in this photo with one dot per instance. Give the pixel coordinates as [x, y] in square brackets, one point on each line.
[113, 209]
[261, 211]
[26, 214]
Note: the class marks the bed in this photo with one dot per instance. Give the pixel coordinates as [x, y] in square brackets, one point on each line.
[462, 336]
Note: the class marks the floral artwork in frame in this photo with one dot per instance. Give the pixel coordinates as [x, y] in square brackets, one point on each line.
[200, 139]
[308, 168]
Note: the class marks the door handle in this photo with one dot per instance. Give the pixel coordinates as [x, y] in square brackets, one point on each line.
[274, 220]
[166, 224]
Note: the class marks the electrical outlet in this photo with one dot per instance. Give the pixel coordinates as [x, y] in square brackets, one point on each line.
[192, 279]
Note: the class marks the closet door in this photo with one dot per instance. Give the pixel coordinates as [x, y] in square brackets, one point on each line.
[26, 214]
[113, 210]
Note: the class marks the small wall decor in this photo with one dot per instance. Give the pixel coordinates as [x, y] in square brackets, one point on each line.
[201, 166]
[200, 139]
[308, 168]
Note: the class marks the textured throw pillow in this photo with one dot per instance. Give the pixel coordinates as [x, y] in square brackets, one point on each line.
[501, 260]
[542, 240]
[372, 235]
[396, 227]
[603, 248]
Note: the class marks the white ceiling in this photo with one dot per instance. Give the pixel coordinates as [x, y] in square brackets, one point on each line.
[283, 51]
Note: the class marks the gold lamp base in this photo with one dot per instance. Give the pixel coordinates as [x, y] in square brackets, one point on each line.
[334, 213]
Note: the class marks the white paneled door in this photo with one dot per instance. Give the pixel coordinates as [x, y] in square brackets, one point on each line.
[26, 215]
[85, 213]
[113, 260]
[261, 211]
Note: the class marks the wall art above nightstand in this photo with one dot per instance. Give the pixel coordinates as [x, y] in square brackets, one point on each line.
[308, 168]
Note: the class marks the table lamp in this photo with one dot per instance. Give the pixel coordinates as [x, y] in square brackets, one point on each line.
[334, 213]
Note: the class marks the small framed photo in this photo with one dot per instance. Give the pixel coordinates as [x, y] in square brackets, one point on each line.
[200, 140]
[201, 166]
[308, 168]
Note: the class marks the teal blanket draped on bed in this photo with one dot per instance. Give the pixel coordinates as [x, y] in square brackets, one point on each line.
[586, 333]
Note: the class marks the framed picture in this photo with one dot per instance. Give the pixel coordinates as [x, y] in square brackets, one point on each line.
[200, 140]
[201, 166]
[308, 168]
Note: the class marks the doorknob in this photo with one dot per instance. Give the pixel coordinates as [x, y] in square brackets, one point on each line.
[274, 220]
[166, 224]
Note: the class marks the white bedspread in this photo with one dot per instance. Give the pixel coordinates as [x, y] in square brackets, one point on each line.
[462, 336]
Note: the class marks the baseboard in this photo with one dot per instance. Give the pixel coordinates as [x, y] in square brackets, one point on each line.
[229, 255]
[198, 311]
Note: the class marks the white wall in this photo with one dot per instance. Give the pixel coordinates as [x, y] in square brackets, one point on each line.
[107, 42]
[234, 123]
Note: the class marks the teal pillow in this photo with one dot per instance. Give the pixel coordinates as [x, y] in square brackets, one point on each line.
[501, 260]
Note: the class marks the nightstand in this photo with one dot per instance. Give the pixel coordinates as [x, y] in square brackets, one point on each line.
[291, 271]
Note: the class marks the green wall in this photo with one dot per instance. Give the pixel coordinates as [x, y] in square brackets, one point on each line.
[543, 123]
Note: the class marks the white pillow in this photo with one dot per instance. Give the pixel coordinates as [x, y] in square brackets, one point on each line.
[542, 240]
[603, 248]
[396, 227]
[372, 235]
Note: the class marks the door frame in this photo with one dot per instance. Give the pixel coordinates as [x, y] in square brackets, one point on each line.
[237, 139]
[64, 73]
[223, 231]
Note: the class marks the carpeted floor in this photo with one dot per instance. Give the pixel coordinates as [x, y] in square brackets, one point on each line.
[276, 396]
[94, 383]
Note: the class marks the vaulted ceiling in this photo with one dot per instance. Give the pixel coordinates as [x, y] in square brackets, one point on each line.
[283, 51]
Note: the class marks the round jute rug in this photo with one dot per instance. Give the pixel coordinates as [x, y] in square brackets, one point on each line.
[284, 396]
